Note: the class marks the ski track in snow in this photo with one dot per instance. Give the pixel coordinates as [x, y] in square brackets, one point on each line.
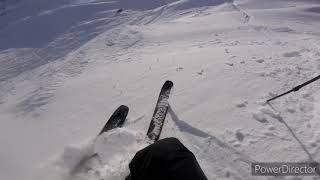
[65, 65]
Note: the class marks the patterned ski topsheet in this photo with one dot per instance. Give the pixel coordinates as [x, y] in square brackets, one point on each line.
[116, 120]
[160, 112]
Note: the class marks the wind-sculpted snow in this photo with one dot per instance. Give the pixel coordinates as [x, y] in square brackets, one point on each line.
[50, 30]
[188, 4]
[29, 41]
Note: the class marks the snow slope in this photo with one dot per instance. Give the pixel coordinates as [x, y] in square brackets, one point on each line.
[65, 66]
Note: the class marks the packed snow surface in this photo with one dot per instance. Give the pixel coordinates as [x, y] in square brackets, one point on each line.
[66, 65]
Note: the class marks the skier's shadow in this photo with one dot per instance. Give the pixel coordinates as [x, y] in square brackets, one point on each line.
[185, 127]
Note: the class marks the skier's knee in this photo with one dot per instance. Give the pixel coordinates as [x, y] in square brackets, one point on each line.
[172, 140]
[168, 145]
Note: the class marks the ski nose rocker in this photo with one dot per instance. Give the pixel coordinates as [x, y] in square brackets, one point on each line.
[116, 120]
[160, 112]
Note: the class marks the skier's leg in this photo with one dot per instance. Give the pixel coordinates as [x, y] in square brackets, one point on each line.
[165, 159]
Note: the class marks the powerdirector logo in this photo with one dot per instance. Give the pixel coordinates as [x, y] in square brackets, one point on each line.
[285, 169]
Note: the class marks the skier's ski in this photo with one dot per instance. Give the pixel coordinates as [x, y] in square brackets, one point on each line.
[116, 120]
[160, 112]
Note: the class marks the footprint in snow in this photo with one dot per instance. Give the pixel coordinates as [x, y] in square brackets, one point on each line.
[237, 137]
[257, 42]
[179, 69]
[313, 144]
[282, 29]
[215, 41]
[291, 110]
[201, 72]
[234, 43]
[280, 43]
[260, 61]
[308, 97]
[292, 54]
[271, 128]
[240, 136]
[110, 43]
[242, 104]
[269, 131]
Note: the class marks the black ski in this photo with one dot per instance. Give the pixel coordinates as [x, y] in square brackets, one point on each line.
[116, 120]
[160, 112]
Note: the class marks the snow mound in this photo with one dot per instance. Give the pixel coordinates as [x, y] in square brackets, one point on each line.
[117, 142]
[106, 157]
[74, 154]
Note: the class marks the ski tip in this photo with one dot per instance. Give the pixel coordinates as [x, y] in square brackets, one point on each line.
[121, 110]
[123, 107]
[168, 83]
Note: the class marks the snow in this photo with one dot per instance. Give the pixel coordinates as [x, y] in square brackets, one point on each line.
[66, 65]
[105, 157]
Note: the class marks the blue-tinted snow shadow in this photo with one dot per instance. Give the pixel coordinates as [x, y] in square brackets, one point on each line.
[52, 29]
[51, 35]
[37, 23]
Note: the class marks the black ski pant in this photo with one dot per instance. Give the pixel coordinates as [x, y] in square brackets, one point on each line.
[166, 159]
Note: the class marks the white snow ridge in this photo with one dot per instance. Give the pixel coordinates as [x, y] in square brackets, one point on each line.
[66, 65]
